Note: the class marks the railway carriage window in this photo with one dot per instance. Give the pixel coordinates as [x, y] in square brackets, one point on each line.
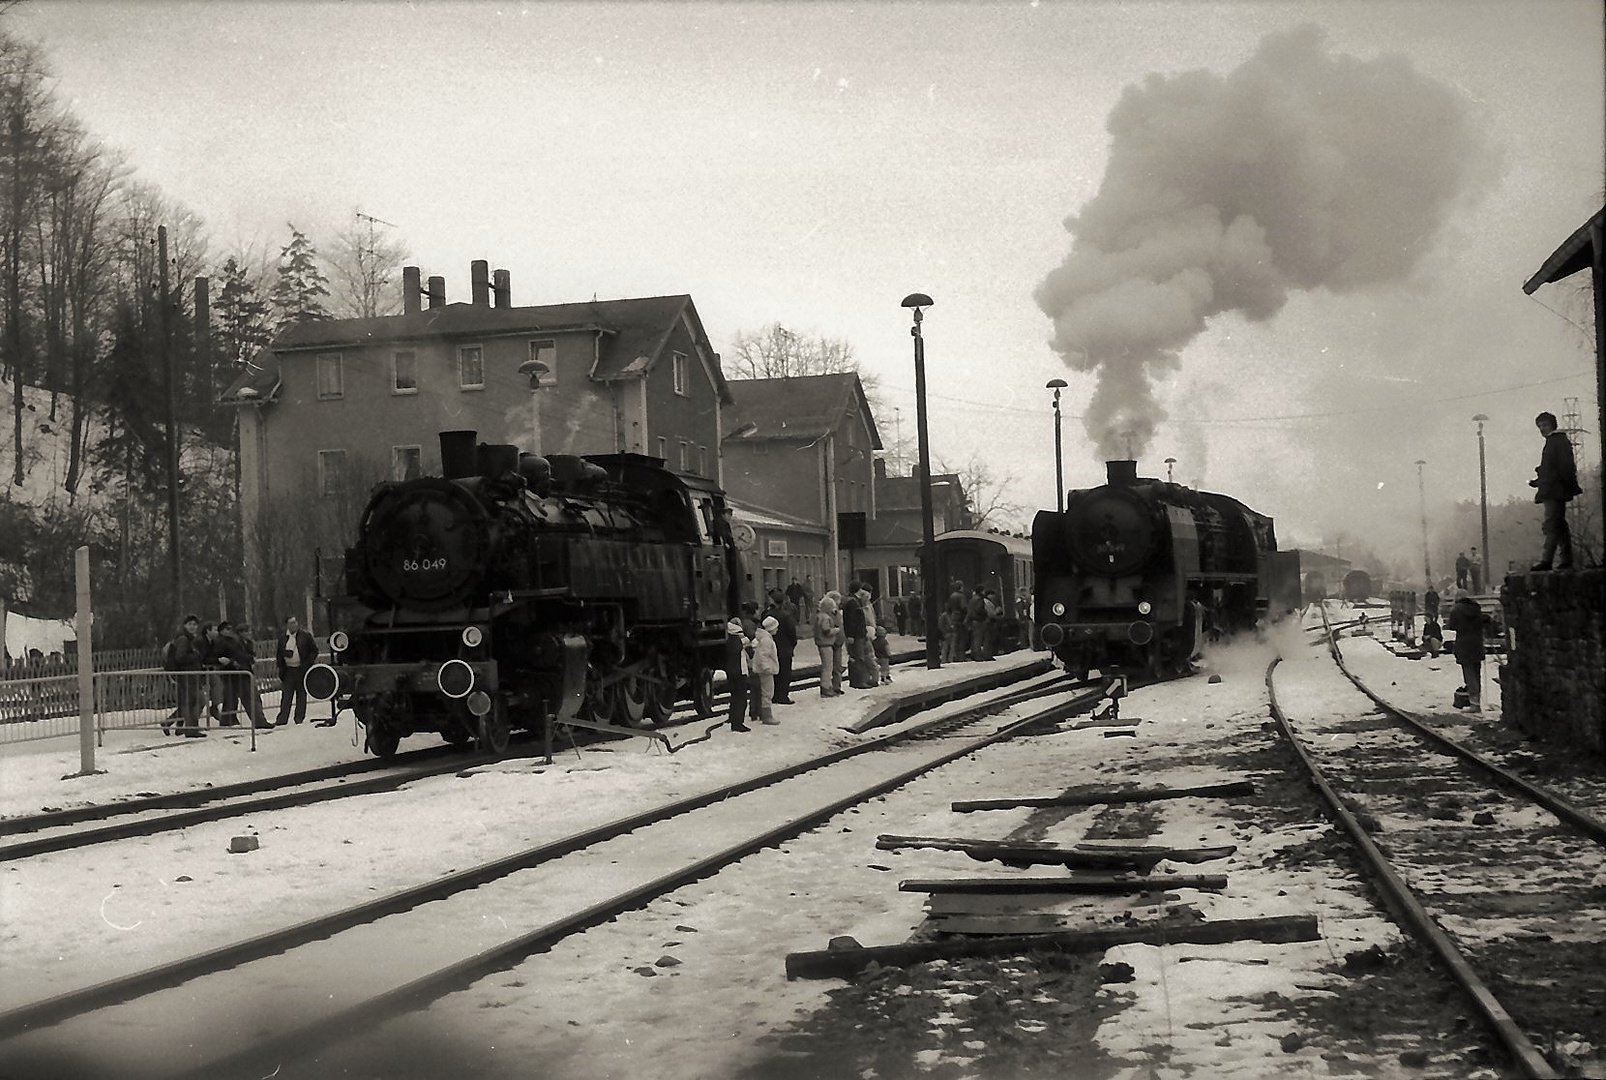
[404, 372]
[406, 462]
[331, 473]
[331, 381]
[471, 367]
[545, 351]
[682, 381]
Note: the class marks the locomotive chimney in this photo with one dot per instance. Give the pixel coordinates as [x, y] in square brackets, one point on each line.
[1122, 473]
[502, 288]
[479, 279]
[412, 287]
[459, 454]
[437, 292]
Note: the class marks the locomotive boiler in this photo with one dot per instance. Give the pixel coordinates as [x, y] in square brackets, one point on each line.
[517, 587]
[1136, 575]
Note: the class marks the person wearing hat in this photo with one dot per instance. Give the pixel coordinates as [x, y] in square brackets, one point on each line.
[766, 664]
[784, 613]
[737, 654]
[185, 655]
[828, 640]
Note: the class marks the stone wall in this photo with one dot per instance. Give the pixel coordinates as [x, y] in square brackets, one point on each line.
[1554, 684]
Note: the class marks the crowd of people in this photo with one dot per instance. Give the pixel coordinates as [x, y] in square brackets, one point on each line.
[215, 664]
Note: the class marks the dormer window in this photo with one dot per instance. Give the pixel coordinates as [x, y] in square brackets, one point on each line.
[682, 379]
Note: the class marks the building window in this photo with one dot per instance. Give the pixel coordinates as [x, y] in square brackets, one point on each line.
[685, 456]
[404, 371]
[471, 367]
[406, 462]
[331, 383]
[663, 448]
[702, 461]
[331, 473]
[682, 382]
[545, 352]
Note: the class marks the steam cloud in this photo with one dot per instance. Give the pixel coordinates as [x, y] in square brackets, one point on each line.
[1299, 170]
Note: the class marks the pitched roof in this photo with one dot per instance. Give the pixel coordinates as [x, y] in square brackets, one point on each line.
[800, 407]
[1576, 253]
[258, 381]
[903, 492]
[634, 332]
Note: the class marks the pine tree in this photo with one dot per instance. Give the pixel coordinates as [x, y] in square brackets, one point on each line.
[302, 288]
[242, 316]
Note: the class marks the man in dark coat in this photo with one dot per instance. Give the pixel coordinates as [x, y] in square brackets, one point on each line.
[1466, 622]
[976, 621]
[1430, 603]
[186, 655]
[1555, 484]
[783, 612]
[297, 652]
[1463, 565]
[737, 665]
[855, 629]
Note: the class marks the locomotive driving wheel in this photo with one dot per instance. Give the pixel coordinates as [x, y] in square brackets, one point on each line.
[601, 701]
[630, 702]
[660, 689]
[493, 730]
[702, 693]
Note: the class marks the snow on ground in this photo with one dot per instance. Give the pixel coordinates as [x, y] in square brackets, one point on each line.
[696, 981]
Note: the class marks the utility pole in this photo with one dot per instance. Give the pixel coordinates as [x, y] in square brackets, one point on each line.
[1422, 496]
[165, 313]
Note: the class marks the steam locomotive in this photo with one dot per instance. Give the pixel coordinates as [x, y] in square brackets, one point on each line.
[516, 587]
[1138, 574]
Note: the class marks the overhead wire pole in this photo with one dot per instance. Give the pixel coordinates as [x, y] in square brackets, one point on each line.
[165, 313]
[1422, 498]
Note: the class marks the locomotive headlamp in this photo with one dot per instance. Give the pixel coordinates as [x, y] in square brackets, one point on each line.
[472, 636]
[1058, 608]
[479, 703]
[1144, 607]
[455, 678]
[339, 642]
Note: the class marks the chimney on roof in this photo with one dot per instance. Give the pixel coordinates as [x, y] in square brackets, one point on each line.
[479, 280]
[502, 288]
[880, 468]
[437, 292]
[412, 290]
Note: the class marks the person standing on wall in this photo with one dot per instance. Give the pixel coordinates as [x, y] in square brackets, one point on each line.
[297, 652]
[1555, 484]
[1462, 566]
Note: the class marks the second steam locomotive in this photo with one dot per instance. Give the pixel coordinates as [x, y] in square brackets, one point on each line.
[515, 587]
[1136, 575]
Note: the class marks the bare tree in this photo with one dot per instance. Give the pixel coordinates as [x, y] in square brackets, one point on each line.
[774, 352]
[989, 502]
[363, 262]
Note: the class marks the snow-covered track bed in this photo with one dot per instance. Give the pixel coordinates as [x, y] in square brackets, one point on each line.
[397, 951]
[1511, 897]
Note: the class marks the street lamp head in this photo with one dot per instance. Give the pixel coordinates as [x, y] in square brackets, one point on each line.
[1480, 418]
[1421, 461]
[1170, 461]
[533, 370]
[1056, 384]
[917, 300]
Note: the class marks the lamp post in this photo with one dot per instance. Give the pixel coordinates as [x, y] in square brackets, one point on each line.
[928, 551]
[533, 370]
[1422, 496]
[1057, 385]
[1169, 462]
[1483, 497]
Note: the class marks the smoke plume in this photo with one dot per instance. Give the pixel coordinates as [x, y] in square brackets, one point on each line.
[1299, 170]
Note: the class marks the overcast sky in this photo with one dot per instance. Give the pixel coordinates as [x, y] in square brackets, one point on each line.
[1390, 180]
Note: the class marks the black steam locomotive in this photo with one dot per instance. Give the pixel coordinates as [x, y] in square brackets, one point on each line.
[1138, 574]
[517, 587]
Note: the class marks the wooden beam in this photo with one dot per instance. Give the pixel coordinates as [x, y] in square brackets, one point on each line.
[845, 963]
[1029, 853]
[1090, 882]
[1094, 797]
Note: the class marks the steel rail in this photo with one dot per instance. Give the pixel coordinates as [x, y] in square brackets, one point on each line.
[1567, 811]
[419, 764]
[334, 1027]
[121, 988]
[1410, 912]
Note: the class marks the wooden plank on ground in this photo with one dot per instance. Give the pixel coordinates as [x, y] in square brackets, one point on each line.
[845, 963]
[1096, 797]
[1029, 922]
[1037, 853]
[1091, 882]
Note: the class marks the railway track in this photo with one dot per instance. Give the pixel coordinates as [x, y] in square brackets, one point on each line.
[1505, 881]
[347, 941]
[78, 827]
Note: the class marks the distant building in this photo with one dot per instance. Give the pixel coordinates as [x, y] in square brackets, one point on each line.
[803, 447]
[332, 407]
[896, 533]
